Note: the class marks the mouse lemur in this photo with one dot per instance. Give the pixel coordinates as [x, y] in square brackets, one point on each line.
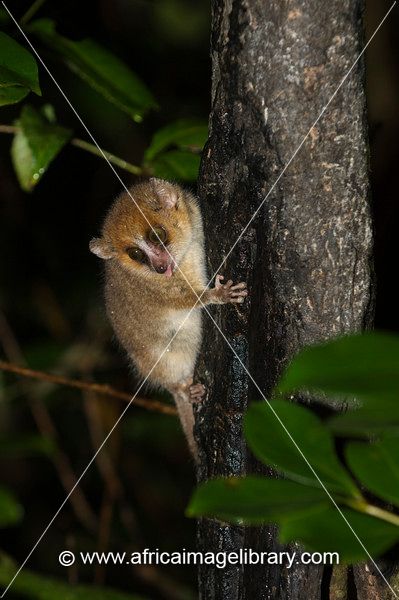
[153, 247]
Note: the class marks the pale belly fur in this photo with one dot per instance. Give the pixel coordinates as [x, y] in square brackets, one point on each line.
[178, 343]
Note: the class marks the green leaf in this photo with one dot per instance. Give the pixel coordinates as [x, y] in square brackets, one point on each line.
[326, 531]
[18, 71]
[11, 511]
[32, 586]
[377, 466]
[368, 420]
[98, 67]
[185, 133]
[180, 164]
[272, 445]
[35, 145]
[363, 366]
[176, 164]
[12, 94]
[254, 500]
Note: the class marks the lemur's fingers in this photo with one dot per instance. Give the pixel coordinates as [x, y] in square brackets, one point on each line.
[218, 281]
[239, 286]
[219, 284]
[197, 392]
[230, 292]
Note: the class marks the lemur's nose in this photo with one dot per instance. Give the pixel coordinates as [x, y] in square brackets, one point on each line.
[161, 268]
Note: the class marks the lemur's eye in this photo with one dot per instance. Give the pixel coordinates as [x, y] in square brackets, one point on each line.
[157, 235]
[135, 254]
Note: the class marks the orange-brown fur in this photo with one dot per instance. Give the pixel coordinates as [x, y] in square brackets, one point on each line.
[148, 309]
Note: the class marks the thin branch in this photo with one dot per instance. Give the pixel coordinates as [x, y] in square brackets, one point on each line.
[47, 429]
[113, 489]
[118, 162]
[106, 464]
[32, 10]
[102, 389]
[8, 129]
[380, 513]
[104, 533]
[62, 464]
[361, 505]
[103, 459]
[83, 145]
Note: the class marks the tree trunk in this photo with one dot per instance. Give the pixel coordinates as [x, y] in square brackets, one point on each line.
[307, 254]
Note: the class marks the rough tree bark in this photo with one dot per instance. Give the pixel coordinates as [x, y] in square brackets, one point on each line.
[307, 254]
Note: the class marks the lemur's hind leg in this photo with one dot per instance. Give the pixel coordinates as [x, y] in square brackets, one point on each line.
[185, 394]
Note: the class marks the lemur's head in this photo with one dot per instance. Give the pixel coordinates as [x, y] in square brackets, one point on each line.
[148, 230]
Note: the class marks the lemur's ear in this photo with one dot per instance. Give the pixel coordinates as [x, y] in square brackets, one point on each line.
[166, 192]
[101, 248]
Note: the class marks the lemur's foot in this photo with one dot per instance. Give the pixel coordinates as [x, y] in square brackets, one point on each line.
[229, 293]
[196, 393]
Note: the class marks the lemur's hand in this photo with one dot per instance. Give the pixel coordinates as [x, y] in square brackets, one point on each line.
[225, 293]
